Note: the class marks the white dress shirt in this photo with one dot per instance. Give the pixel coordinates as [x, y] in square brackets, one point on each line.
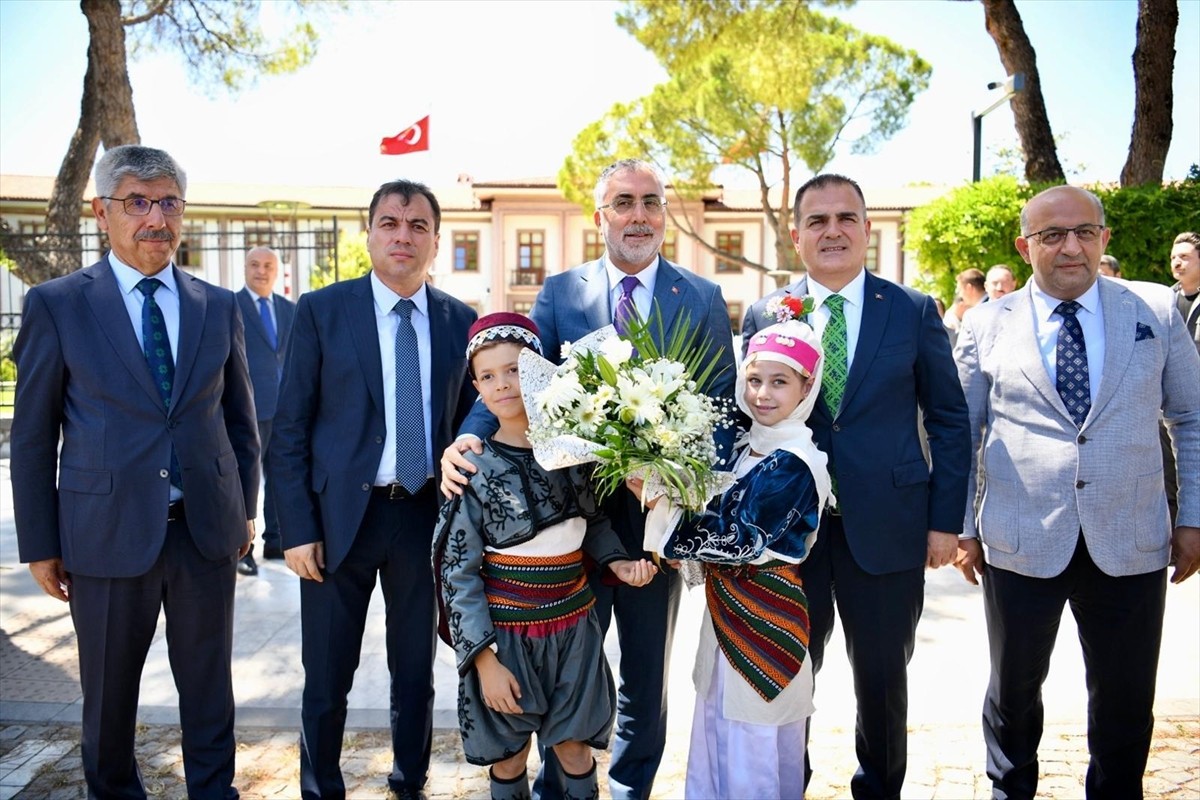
[167, 298]
[852, 309]
[643, 295]
[386, 321]
[1046, 324]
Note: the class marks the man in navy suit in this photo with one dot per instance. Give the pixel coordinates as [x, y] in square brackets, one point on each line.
[630, 213]
[896, 514]
[375, 383]
[268, 317]
[140, 368]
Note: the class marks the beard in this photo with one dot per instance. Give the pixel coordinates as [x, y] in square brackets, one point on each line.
[632, 252]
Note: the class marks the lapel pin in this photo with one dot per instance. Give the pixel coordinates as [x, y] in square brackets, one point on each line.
[878, 296]
[674, 290]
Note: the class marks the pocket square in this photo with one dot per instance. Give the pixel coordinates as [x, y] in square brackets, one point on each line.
[1143, 332]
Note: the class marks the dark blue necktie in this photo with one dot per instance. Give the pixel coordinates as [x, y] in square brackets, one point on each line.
[1071, 365]
[626, 310]
[411, 452]
[264, 310]
[157, 348]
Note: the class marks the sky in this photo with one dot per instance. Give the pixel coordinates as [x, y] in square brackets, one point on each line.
[509, 84]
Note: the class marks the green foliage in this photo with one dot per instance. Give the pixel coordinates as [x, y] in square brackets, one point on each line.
[353, 260]
[976, 226]
[756, 85]
[222, 41]
[972, 226]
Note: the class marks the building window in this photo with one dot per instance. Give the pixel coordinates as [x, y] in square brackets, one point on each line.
[190, 254]
[670, 249]
[520, 306]
[593, 245]
[731, 244]
[873, 253]
[32, 228]
[531, 258]
[466, 251]
[256, 234]
[735, 317]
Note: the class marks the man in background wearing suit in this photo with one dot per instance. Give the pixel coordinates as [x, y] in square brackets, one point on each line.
[375, 384]
[140, 368]
[268, 317]
[631, 215]
[1065, 381]
[887, 362]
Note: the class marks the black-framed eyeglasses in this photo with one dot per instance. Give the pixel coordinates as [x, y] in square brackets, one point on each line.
[624, 204]
[1052, 237]
[140, 206]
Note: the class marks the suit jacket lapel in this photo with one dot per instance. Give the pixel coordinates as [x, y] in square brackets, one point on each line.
[103, 294]
[193, 305]
[593, 295]
[669, 290]
[1120, 327]
[877, 307]
[360, 314]
[1017, 338]
[251, 316]
[440, 356]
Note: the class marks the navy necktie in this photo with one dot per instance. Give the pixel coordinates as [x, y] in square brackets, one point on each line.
[626, 310]
[1071, 365]
[411, 450]
[157, 348]
[264, 310]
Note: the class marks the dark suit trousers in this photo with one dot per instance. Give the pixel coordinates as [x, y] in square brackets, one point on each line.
[270, 534]
[393, 542]
[645, 620]
[879, 620]
[115, 619]
[1120, 629]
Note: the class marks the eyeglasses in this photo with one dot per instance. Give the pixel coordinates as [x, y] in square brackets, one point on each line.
[1052, 237]
[624, 204]
[140, 206]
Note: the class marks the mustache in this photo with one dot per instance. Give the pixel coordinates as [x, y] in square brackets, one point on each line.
[160, 235]
[638, 230]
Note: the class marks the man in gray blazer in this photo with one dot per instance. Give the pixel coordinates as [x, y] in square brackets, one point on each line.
[268, 317]
[1065, 380]
[140, 370]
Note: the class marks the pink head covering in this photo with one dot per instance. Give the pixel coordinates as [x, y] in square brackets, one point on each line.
[785, 344]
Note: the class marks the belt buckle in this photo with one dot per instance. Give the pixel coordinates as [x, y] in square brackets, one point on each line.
[175, 511]
[396, 491]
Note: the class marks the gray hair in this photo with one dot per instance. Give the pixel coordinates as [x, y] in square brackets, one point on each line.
[1025, 208]
[630, 164]
[270, 250]
[143, 163]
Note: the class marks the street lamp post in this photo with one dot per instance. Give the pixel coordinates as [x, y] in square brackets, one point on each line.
[1010, 87]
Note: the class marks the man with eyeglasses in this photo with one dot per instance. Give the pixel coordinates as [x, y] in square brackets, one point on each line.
[140, 370]
[1065, 381]
[631, 216]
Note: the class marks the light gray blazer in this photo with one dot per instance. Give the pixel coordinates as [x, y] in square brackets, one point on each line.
[1038, 481]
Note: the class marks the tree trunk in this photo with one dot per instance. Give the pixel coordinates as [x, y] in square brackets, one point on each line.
[105, 114]
[1153, 68]
[1029, 109]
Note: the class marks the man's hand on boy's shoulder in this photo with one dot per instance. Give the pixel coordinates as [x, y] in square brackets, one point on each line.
[454, 464]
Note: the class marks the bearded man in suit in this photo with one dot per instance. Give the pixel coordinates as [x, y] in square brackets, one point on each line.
[1065, 381]
[140, 368]
[631, 215]
[887, 366]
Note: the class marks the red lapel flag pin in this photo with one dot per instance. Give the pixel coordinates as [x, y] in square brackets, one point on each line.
[412, 139]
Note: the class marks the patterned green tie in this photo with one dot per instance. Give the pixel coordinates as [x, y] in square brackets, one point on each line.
[833, 341]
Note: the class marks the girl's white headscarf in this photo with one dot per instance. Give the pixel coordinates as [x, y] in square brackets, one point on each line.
[792, 343]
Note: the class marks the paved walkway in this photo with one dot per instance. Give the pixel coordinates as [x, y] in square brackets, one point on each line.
[40, 700]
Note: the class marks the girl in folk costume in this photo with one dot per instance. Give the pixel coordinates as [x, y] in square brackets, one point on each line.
[509, 557]
[754, 682]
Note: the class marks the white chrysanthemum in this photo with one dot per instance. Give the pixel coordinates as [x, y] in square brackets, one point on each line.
[563, 392]
[636, 402]
[616, 350]
[589, 415]
[603, 396]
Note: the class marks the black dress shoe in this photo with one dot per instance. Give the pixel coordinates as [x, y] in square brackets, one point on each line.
[272, 552]
[246, 565]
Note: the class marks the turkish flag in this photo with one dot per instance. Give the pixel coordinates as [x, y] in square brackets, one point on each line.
[410, 140]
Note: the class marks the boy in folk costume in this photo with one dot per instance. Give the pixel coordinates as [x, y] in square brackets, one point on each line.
[754, 682]
[509, 556]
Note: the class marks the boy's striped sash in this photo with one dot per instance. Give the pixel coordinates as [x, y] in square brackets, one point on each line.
[760, 616]
[541, 595]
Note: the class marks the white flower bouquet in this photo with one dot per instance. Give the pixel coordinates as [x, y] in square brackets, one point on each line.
[617, 401]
